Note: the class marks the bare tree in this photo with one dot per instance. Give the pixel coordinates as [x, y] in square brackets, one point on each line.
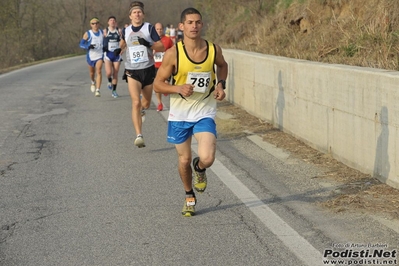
[38, 29]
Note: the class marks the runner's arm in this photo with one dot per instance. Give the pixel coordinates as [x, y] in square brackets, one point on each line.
[165, 71]
[84, 44]
[157, 43]
[120, 41]
[158, 46]
[122, 44]
[222, 69]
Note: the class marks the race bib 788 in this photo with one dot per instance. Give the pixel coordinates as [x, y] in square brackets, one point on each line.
[200, 80]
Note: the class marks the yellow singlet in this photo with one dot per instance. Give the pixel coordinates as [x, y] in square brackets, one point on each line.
[201, 103]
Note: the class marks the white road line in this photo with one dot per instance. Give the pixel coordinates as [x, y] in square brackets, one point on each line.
[291, 239]
[296, 243]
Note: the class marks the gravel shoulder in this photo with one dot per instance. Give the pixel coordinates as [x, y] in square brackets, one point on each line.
[354, 191]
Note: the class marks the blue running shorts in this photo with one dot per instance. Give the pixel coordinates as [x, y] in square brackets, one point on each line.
[110, 56]
[93, 63]
[179, 131]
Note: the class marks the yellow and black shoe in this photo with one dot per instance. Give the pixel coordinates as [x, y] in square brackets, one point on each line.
[199, 180]
[189, 206]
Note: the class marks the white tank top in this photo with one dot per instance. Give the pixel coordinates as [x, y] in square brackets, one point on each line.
[97, 40]
[172, 32]
[138, 56]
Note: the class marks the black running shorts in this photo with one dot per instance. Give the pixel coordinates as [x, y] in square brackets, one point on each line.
[144, 76]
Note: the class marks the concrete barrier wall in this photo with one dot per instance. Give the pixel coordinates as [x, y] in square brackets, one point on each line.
[350, 112]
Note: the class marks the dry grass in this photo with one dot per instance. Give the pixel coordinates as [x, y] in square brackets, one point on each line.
[356, 191]
[352, 32]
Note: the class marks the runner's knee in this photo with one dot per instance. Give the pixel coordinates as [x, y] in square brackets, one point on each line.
[184, 160]
[207, 160]
[145, 104]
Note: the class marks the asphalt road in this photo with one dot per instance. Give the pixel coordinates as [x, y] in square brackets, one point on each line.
[74, 190]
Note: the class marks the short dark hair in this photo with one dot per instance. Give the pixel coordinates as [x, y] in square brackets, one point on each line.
[111, 17]
[188, 11]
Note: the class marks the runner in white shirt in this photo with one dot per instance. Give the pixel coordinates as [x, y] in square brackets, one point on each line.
[172, 33]
[139, 39]
[92, 41]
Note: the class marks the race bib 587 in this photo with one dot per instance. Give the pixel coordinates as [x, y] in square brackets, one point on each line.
[138, 54]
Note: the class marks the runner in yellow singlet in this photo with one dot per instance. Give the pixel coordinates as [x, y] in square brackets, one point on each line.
[196, 86]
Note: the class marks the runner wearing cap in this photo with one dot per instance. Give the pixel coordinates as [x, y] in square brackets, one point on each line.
[92, 41]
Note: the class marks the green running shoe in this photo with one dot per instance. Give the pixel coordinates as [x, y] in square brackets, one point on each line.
[200, 180]
[189, 207]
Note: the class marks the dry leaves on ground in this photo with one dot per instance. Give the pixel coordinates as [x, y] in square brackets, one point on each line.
[357, 191]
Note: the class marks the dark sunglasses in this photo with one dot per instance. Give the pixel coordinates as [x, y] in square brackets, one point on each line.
[94, 23]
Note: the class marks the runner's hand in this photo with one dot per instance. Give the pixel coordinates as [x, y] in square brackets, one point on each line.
[144, 42]
[117, 51]
[186, 90]
[219, 94]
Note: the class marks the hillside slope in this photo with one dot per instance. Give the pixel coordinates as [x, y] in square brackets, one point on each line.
[352, 32]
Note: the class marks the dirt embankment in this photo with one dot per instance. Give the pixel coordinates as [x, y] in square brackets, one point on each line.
[351, 32]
